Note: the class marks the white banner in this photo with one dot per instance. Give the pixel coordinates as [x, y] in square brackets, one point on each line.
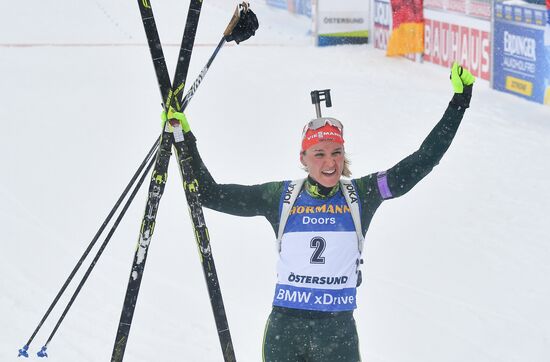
[476, 8]
[453, 37]
[341, 21]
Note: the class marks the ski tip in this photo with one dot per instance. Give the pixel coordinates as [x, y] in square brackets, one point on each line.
[42, 352]
[23, 351]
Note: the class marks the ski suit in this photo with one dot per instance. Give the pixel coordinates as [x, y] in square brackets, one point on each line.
[312, 315]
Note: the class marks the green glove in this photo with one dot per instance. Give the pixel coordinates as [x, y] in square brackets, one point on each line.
[462, 81]
[180, 116]
[461, 77]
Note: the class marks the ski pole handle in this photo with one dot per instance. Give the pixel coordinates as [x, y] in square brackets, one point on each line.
[243, 7]
[243, 24]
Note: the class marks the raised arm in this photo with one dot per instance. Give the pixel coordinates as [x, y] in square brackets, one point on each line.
[402, 177]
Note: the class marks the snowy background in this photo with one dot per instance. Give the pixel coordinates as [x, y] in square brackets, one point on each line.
[456, 270]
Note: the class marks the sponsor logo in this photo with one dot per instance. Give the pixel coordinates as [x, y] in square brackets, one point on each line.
[293, 296]
[329, 20]
[382, 14]
[445, 43]
[324, 134]
[499, 9]
[351, 192]
[436, 4]
[196, 84]
[520, 86]
[308, 279]
[477, 8]
[457, 6]
[481, 9]
[508, 12]
[382, 22]
[328, 299]
[324, 299]
[528, 68]
[539, 15]
[518, 14]
[328, 209]
[318, 220]
[517, 45]
[528, 13]
[288, 193]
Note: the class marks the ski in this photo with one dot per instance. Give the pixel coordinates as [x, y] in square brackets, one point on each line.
[246, 21]
[242, 26]
[191, 187]
[160, 171]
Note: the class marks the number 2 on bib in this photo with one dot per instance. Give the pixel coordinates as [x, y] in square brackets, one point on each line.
[319, 244]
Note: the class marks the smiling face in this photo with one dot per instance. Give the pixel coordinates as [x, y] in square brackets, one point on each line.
[324, 162]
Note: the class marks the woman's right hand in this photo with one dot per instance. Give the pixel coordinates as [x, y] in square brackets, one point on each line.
[174, 115]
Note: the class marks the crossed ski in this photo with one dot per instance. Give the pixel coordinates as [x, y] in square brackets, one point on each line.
[172, 136]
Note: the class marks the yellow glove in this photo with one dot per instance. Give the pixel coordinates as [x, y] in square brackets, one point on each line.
[461, 77]
[173, 114]
[462, 81]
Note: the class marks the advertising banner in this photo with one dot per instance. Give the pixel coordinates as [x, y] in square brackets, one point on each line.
[449, 37]
[342, 22]
[302, 7]
[382, 23]
[476, 8]
[520, 56]
[281, 4]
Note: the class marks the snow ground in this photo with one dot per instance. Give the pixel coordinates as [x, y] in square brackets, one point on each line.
[456, 270]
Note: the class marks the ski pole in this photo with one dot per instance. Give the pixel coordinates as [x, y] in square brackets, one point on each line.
[185, 102]
[42, 352]
[227, 37]
[187, 99]
[23, 351]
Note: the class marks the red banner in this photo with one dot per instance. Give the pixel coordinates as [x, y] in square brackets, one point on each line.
[446, 43]
[408, 28]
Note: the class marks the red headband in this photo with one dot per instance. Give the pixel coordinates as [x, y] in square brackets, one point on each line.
[325, 133]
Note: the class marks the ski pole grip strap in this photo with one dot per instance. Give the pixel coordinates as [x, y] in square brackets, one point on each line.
[235, 19]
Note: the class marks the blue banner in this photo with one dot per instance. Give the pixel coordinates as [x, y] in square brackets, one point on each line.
[521, 64]
[282, 4]
[302, 7]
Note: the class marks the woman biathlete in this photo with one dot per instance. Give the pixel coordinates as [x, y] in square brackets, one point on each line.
[320, 223]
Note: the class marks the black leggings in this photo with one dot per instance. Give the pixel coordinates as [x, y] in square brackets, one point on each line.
[293, 335]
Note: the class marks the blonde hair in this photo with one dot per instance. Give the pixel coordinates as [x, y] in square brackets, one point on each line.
[345, 172]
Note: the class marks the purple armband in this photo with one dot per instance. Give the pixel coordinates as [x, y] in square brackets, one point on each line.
[383, 186]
